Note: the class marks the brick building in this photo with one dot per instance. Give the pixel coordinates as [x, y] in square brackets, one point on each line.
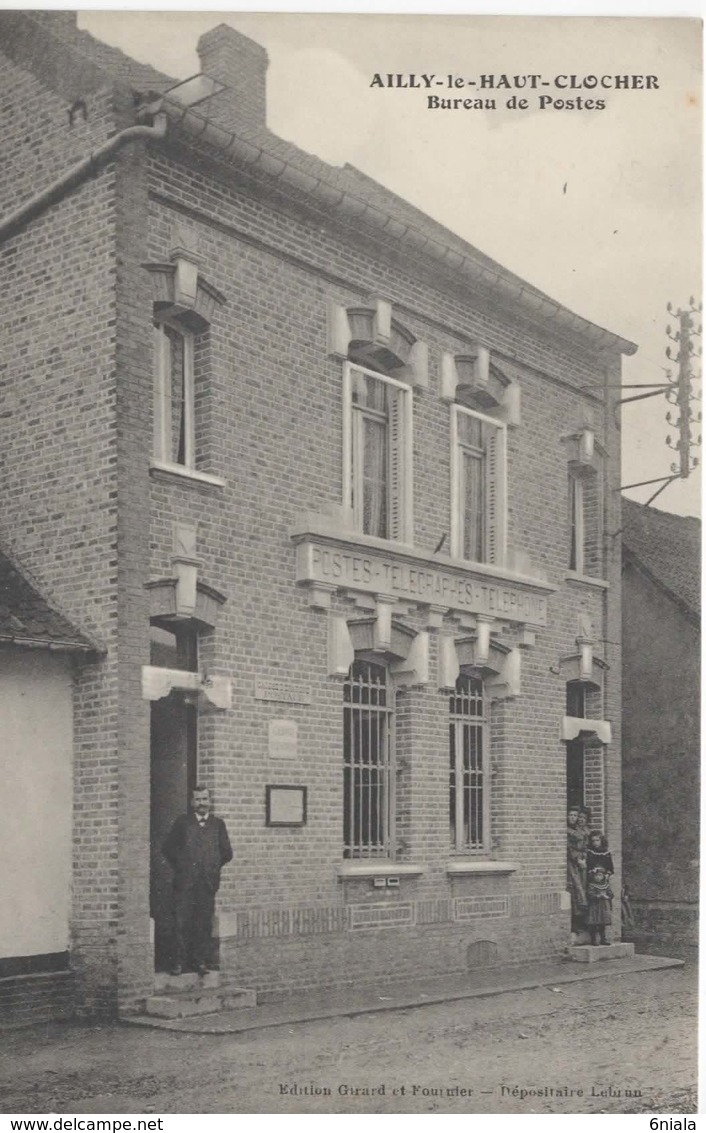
[40, 650]
[661, 719]
[335, 494]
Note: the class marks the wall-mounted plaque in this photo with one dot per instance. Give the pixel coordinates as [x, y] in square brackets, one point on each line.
[285, 805]
[282, 739]
[283, 691]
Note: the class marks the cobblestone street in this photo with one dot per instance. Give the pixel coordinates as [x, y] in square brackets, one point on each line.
[624, 1044]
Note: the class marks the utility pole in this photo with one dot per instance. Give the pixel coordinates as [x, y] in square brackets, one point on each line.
[682, 396]
[679, 393]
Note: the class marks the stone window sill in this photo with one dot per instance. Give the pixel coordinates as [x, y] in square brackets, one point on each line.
[468, 865]
[162, 468]
[385, 868]
[586, 580]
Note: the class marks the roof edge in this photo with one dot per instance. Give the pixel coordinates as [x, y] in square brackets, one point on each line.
[76, 641]
[64, 69]
[48, 646]
[634, 558]
[253, 156]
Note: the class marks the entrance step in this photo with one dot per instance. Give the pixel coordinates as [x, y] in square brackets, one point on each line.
[591, 953]
[179, 997]
[188, 981]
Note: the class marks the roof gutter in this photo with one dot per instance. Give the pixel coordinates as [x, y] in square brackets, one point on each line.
[86, 168]
[48, 646]
[355, 210]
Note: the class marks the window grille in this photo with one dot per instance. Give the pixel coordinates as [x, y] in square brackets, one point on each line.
[367, 777]
[468, 771]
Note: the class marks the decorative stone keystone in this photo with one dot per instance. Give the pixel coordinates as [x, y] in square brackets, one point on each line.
[341, 654]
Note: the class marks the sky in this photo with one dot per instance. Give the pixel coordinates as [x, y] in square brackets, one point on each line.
[598, 208]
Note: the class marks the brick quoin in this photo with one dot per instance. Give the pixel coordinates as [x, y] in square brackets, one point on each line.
[86, 512]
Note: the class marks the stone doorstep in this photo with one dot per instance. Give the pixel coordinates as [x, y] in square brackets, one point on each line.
[424, 992]
[591, 953]
[188, 981]
[192, 1000]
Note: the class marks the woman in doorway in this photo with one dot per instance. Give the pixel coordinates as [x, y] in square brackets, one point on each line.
[583, 822]
[576, 843]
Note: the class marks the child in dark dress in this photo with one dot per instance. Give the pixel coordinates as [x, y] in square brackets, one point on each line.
[599, 870]
[597, 853]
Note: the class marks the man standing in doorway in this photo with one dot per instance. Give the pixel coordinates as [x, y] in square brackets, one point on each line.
[197, 848]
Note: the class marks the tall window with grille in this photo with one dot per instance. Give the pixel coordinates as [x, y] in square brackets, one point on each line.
[468, 767]
[368, 778]
[377, 453]
[477, 487]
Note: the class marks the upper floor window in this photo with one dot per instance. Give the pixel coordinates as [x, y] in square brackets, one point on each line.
[585, 523]
[174, 395]
[477, 487]
[377, 453]
[183, 307]
[576, 524]
[585, 502]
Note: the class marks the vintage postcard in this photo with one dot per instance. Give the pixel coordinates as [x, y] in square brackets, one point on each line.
[349, 564]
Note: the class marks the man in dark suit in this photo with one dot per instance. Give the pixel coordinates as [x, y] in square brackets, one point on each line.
[197, 847]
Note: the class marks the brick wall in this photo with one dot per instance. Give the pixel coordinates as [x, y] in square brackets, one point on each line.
[57, 456]
[95, 527]
[27, 1000]
[275, 439]
[662, 746]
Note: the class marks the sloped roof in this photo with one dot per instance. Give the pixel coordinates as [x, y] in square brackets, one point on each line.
[362, 203]
[668, 548]
[351, 180]
[114, 62]
[355, 196]
[26, 618]
[145, 78]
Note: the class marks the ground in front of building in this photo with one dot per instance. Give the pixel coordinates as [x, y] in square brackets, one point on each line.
[628, 1043]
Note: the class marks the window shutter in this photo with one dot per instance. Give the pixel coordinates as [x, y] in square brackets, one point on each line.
[495, 449]
[578, 549]
[396, 505]
[189, 402]
[161, 402]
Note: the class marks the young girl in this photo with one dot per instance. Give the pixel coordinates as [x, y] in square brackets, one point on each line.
[599, 870]
[598, 854]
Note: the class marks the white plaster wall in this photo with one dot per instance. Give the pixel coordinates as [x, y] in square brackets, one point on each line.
[36, 744]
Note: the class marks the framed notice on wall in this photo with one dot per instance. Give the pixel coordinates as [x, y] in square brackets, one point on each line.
[285, 805]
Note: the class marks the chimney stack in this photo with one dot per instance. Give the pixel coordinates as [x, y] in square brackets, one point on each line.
[241, 65]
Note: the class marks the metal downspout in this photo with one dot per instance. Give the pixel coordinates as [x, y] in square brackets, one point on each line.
[88, 167]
